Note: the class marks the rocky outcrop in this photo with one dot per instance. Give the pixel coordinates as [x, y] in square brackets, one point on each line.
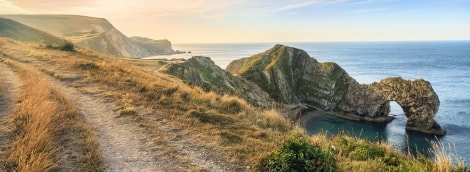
[94, 33]
[417, 99]
[291, 76]
[203, 72]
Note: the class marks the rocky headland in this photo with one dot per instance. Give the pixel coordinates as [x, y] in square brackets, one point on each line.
[290, 76]
[203, 72]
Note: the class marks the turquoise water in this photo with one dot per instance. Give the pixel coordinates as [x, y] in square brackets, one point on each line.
[444, 63]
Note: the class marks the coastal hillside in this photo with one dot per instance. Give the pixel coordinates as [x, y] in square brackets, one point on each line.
[86, 111]
[12, 29]
[97, 34]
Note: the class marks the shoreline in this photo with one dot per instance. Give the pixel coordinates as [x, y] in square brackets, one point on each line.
[303, 120]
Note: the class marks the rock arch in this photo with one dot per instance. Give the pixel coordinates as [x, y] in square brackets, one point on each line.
[417, 99]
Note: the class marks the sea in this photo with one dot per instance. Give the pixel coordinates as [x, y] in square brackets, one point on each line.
[446, 64]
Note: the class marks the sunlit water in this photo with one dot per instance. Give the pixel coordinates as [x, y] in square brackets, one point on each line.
[444, 63]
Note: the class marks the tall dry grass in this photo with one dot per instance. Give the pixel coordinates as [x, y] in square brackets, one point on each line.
[46, 130]
[445, 158]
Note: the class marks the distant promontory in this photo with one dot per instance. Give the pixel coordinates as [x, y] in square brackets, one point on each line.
[96, 34]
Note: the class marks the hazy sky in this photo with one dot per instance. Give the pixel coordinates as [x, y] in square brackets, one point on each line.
[184, 21]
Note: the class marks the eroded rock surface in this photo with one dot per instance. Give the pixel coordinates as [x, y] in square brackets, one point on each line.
[203, 72]
[291, 76]
[418, 100]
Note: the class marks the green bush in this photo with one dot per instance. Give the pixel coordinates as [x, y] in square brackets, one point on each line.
[297, 154]
[67, 46]
[64, 46]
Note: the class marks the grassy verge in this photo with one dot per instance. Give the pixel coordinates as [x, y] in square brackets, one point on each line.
[46, 132]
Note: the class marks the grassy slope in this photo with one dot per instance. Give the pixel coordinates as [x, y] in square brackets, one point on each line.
[94, 33]
[54, 24]
[228, 124]
[18, 31]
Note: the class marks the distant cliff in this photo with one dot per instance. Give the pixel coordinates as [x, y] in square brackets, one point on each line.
[291, 76]
[95, 34]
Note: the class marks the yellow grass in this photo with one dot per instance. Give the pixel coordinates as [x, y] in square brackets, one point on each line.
[444, 157]
[228, 124]
[44, 128]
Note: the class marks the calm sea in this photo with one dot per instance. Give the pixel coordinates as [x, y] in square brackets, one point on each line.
[444, 63]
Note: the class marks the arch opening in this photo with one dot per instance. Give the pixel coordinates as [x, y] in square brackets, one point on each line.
[396, 110]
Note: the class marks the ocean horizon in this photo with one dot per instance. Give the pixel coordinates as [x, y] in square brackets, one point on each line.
[443, 63]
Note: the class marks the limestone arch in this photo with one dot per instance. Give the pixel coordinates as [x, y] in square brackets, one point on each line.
[417, 99]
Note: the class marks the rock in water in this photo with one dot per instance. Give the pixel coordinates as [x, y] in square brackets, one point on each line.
[291, 76]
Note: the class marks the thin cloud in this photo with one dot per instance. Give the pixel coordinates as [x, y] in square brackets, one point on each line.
[370, 10]
[265, 8]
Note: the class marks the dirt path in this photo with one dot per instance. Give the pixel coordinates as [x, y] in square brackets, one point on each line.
[9, 84]
[122, 143]
[128, 147]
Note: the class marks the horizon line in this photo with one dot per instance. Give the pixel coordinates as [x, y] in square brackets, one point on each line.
[345, 41]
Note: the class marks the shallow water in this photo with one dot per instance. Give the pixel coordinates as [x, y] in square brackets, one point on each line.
[444, 63]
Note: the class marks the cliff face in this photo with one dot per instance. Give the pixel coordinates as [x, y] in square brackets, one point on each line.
[202, 72]
[291, 76]
[95, 34]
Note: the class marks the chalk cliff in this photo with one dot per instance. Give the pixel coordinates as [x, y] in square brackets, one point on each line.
[97, 34]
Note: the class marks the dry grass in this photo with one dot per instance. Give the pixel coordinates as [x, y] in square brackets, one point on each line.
[46, 131]
[228, 124]
[443, 160]
[444, 157]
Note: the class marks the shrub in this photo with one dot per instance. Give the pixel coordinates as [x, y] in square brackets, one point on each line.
[67, 46]
[64, 46]
[297, 154]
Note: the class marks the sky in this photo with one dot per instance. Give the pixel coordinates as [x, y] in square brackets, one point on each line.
[216, 21]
